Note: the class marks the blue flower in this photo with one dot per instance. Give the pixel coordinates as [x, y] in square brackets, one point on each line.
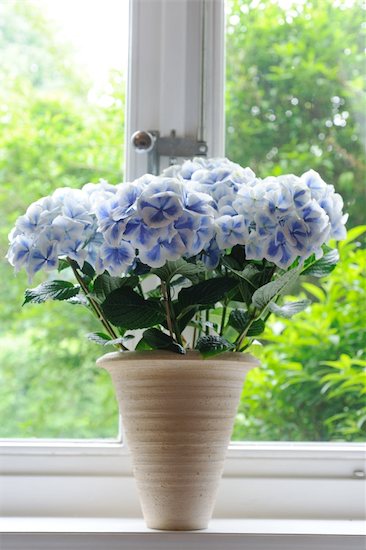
[19, 250]
[139, 234]
[211, 255]
[164, 249]
[43, 255]
[159, 206]
[279, 251]
[116, 259]
[231, 230]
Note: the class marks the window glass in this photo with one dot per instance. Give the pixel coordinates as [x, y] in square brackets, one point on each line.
[62, 98]
[295, 100]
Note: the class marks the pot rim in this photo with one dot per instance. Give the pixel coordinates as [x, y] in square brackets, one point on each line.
[192, 355]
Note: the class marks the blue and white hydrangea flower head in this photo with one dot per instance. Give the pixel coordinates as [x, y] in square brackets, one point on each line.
[199, 209]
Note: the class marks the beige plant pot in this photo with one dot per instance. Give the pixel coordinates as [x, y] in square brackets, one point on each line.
[178, 413]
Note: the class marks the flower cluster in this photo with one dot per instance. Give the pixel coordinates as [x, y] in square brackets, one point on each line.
[198, 209]
[60, 225]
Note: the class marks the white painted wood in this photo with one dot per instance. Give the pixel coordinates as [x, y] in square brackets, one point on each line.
[260, 480]
[116, 496]
[176, 74]
[112, 533]
[217, 526]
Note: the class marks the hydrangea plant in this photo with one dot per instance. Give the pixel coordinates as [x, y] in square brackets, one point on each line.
[206, 245]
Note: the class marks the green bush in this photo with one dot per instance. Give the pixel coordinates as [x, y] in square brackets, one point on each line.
[295, 96]
[312, 383]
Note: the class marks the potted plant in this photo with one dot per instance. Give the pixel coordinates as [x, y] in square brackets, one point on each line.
[183, 271]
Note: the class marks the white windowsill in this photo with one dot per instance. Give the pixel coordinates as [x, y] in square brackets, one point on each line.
[113, 533]
[217, 526]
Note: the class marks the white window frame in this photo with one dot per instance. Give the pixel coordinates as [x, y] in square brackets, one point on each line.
[176, 61]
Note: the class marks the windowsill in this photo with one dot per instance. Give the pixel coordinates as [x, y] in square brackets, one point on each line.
[113, 533]
[217, 526]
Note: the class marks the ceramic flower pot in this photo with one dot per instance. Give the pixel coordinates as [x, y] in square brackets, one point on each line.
[178, 413]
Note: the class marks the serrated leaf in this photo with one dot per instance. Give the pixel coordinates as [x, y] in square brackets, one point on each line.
[265, 294]
[178, 267]
[105, 284]
[104, 340]
[289, 309]
[206, 292]
[80, 299]
[51, 290]
[248, 272]
[125, 308]
[98, 338]
[157, 339]
[256, 328]
[239, 320]
[212, 345]
[324, 265]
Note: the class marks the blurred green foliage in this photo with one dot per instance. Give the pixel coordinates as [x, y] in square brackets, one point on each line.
[312, 382]
[295, 95]
[52, 135]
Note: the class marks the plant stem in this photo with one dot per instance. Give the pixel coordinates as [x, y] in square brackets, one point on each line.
[95, 306]
[207, 316]
[194, 333]
[164, 292]
[223, 318]
[241, 337]
[174, 321]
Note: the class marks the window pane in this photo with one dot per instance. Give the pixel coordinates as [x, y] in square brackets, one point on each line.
[62, 99]
[295, 100]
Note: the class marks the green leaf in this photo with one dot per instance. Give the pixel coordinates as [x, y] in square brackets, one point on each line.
[157, 339]
[239, 320]
[256, 328]
[104, 340]
[289, 309]
[324, 265]
[246, 274]
[62, 264]
[142, 345]
[98, 338]
[206, 292]
[88, 270]
[105, 284]
[212, 345]
[178, 267]
[51, 290]
[79, 300]
[265, 294]
[125, 308]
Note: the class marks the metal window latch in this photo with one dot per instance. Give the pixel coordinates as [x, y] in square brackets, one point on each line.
[156, 146]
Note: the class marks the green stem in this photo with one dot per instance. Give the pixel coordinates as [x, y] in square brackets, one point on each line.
[95, 306]
[223, 318]
[207, 318]
[164, 291]
[194, 337]
[178, 335]
[243, 334]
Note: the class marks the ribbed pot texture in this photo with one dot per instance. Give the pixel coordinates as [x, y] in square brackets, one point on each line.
[178, 413]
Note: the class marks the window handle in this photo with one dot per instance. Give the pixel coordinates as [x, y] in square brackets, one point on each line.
[155, 146]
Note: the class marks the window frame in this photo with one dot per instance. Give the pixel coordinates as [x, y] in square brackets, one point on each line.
[94, 478]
